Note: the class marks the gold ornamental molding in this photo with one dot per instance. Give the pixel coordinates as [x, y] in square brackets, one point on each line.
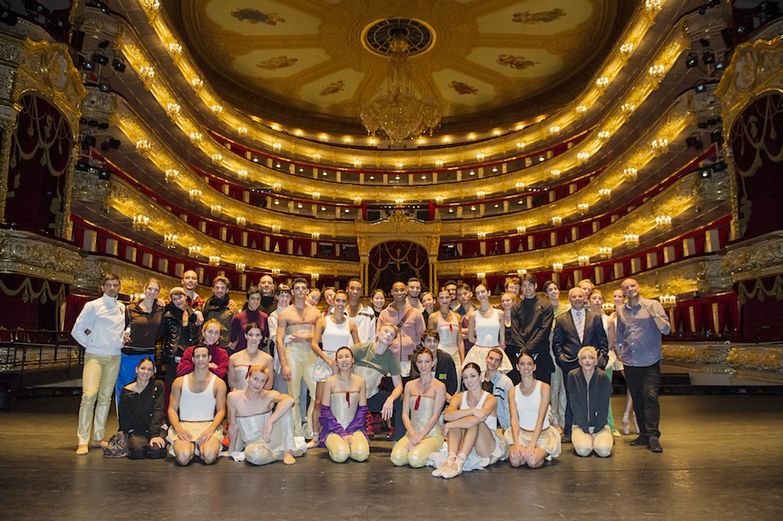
[755, 258]
[45, 69]
[399, 227]
[651, 145]
[747, 360]
[683, 198]
[132, 278]
[130, 203]
[703, 274]
[678, 200]
[26, 253]
[756, 67]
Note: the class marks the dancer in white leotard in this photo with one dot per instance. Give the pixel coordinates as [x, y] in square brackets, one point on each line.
[331, 333]
[447, 323]
[532, 439]
[260, 421]
[486, 329]
[471, 429]
[422, 403]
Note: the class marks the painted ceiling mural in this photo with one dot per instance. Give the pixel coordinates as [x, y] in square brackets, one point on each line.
[319, 58]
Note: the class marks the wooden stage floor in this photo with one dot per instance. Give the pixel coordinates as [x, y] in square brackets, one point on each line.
[723, 460]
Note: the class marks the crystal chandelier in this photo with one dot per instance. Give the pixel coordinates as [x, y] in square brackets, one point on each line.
[396, 113]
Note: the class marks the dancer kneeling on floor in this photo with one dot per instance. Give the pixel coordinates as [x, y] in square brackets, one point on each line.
[422, 403]
[471, 429]
[197, 406]
[589, 390]
[140, 413]
[343, 410]
[264, 435]
[531, 438]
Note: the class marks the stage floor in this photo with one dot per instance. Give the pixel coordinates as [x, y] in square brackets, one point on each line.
[723, 460]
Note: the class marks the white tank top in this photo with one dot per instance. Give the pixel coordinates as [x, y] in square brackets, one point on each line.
[336, 336]
[487, 329]
[527, 408]
[197, 407]
[490, 421]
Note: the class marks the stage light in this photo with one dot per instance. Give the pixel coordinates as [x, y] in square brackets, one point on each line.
[707, 57]
[118, 65]
[89, 141]
[694, 141]
[716, 136]
[100, 58]
[720, 65]
[104, 174]
[705, 173]
[88, 66]
[700, 87]
[719, 166]
[104, 86]
[691, 60]
[82, 166]
[110, 144]
[8, 17]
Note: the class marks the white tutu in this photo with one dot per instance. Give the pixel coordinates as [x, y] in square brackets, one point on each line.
[320, 370]
[473, 461]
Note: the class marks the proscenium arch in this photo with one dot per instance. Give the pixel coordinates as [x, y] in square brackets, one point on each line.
[397, 260]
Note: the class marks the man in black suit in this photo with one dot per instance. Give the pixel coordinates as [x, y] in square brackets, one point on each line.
[575, 329]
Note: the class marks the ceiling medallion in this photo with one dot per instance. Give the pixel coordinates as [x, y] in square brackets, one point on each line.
[396, 112]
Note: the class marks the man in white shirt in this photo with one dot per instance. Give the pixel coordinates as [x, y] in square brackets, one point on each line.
[500, 385]
[100, 329]
[362, 316]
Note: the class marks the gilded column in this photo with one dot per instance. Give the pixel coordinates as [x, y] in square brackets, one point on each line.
[8, 125]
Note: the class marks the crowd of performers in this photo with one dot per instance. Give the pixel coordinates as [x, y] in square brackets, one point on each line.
[456, 383]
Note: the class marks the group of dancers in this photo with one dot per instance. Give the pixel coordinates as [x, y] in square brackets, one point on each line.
[458, 384]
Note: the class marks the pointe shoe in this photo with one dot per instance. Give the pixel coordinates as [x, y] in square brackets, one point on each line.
[312, 443]
[288, 459]
[81, 450]
[636, 425]
[626, 424]
[455, 469]
[438, 472]
[616, 433]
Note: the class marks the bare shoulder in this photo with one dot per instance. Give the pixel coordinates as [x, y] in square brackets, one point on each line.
[312, 314]
[234, 397]
[220, 385]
